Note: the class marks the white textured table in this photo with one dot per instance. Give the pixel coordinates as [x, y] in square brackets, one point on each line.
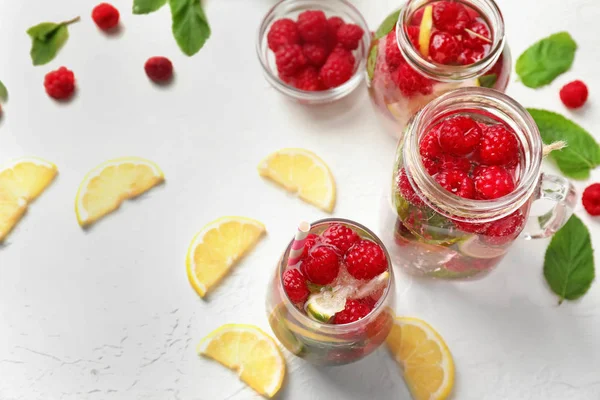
[109, 313]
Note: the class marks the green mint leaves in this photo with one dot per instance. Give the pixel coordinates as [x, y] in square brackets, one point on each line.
[3, 92]
[488, 81]
[387, 25]
[147, 6]
[372, 61]
[582, 153]
[190, 26]
[546, 59]
[569, 261]
[47, 39]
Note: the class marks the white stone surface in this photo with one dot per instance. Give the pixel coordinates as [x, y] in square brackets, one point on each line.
[108, 313]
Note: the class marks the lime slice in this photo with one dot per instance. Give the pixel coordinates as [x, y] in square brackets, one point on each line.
[323, 306]
[473, 247]
[425, 30]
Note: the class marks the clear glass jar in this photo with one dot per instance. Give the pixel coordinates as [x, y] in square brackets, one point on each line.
[396, 105]
[425, 234]
[323, 343]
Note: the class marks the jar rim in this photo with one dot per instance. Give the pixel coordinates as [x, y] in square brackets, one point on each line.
[505, 110]
[452, 73]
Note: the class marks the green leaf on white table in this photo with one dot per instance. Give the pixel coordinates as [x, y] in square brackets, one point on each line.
[47, 39]
[582, 153]
[569, 261]
[147, 6]
[190, 26]
[387, 25]
[546, 59]
[3, 92]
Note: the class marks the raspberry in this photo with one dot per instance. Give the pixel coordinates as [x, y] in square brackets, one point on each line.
[60, 84]
[335, 23]
[470, 56]
[505, 229]
[417, 17]
[410, 82]
[574, 94]
[283, 32]
[493, 182]
[294, 284]
[311, 240]
[432, 166]
[340, 236]
[448, 162]
[450, 16]
[338, 68]
[406, 189]
[413, 33]
[322, 265]
[444, 48]
[393, 57]
[459, 135]
[159, 69]
[456, 182]
[349, 36]
[105, 16]
[308, 79]
[365, 260]
[289, 59]
[313, 26]
[591, 199]
[353, 311]
[472, 227]
[430, 144]
[498, 146]
[316, 54]
[481, 29]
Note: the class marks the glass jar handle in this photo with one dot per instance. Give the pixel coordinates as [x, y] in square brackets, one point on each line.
[560, 191]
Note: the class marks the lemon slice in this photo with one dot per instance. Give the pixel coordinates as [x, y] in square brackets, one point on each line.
[425, 30]
[248, 351]
[109, 184]
[216, 248]
[324, 305]
[424, 357]
[21, 182]
[473, 247]
[303, 172]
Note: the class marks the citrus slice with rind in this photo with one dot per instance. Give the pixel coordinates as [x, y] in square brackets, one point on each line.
[301, 172]
[217, 247]
[425, 30]
[21, 182]
[108, 185]
[250, 352]
[424, 357]
[324, 305]
[474, 247]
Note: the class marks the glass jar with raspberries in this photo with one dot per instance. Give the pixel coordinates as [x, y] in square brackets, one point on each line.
[335, 304]
[313, 51]
[466, 174]
[430, 47]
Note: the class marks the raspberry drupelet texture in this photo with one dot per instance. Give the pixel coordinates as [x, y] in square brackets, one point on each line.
[505, 229]
[338, 68]
[349, 36]
[289, 59]
[322, 265]
[313, 26]
[315, 53]
[591, 199]
[444, 48]
[493, 182]
[450, 16]
[365, 260]
[105, 16]
[498, 146]
[60, 84]
[308, 79]
[335, 23]
[340, 237]
[482, 30]
[410, 82]
[430, 145]
[311, 240]
[406, 189]
[574, 94]
[159, 69]
[456, 182]
[283, 32]
[393, 57]
[294, 283]
[459, 135]
[352, 312]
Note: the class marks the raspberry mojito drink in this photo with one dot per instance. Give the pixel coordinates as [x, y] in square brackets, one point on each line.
[430, 47]
[334, 305]
[466, 174]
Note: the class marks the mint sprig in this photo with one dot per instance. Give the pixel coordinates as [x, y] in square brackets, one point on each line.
[190, 26]
[47, 39]
[546, 59]
[569, 261]
[582, 153]
[147, 6]
[3, 92]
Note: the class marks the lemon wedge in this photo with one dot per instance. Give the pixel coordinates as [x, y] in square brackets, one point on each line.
[111, 183]
[250, 352]
[424, 357]
[303, 172]
[425, 31]
[21, 182]
[217, 247]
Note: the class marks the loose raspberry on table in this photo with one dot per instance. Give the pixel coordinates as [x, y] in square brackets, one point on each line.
[294, 284]
[283, 32]
[308, 79]
[505, 229]
[353, 311]
[393, 56]
[105, 16]
[60, 84]
[322, 265]
[591, 199]
[349, 36]
[456, 182]
[574, 94]
[315, 53]
[340, 237]
[498, 146]
[338, 68]
[289, 59]
[365, 260]
[450, 16]
[444, 48]
[309, 243]
[335, 23]
[493, 182]
[406, 189]
[459, 135]
[410, 82]
[430, 144]
[481, 29]
[313, 26]
[159, 69]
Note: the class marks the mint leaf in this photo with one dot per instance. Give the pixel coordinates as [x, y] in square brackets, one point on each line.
[147, 6]
[569, 261]
[387, 25]
[190, 26]
[372, 61]
[47, 39]
[3, 92]
[582, 153]
[546, 59]
[488, 81]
